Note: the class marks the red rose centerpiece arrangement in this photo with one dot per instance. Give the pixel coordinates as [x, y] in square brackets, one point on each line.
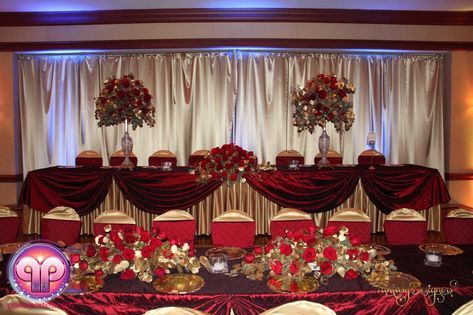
[323, 99]
[134, 253]
[124, 100]
[297, 262]
[228, 163]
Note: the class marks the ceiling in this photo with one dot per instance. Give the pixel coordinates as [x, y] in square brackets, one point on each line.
[95, 5]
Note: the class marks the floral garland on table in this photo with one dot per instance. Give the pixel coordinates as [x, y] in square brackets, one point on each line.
[228, 163]
[134, 253]
[124, 99]
[323, 99]
[324, 253]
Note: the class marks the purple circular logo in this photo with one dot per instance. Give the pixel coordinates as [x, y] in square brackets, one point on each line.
[38, 271]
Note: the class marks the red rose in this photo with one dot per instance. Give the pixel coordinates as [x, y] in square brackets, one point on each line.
[117, 259]
[330, 253]
[276, 266]
[258, 250]
[215, 151]
[285, 249]
[146, 251]
[351, 274]
[130, 238]
[233, 177]
[294, 287]
[326, 268]
[309, 254]
[355, 241]
[155, 242]
[268, 248]
[352, 253]
[249, 258]
[333, 86]
[127, 274]
[322, 94]
[275, 283]
[309, 239]
[162, 235]
[98, 273]
[160, 272]
[126, 82]
[83, 265]
[145, 236]
[330, 230]
[174, 241]
[75, 258]
[128, 253]
[312, 229]
[365, 256]
[103, 253]
[91, 251]
[121, 94]
[167, 253]
[294, 268]
[326, 80]
[342, 93]
[147, 97]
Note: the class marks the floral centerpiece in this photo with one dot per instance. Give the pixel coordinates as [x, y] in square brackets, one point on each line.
[134, 253]
[323, 99]
[292, 259]
[228, 163]
[124, 100]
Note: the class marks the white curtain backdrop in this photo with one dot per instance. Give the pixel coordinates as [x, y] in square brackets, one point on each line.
[208, 99]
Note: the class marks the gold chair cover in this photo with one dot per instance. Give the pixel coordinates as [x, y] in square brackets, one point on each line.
[114, 216]
[405, 214]
[175, 310]
[371, 153]
[174, 215]
[289, 153]
[6, 212]
[330, 153]
[465, 309]
[350, 215]
[233, 216]
[291, 214]
[62, 213]
[163, 153]
[88, 154]
[300, 308]
[460, 214]
[15, 304]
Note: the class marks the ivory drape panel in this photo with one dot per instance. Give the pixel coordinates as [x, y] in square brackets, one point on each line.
[205, 99]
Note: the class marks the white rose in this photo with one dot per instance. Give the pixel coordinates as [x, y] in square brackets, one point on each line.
[185, 247]
[174, 249]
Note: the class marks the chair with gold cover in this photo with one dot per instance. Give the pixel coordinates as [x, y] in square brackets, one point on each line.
[160, 157]
[176, 224]
[465, 309]
[196, 157]
[301, 307]
[458, 227]
[405, 227]
[89, 158]
[333, 157]
[371, 157]
[357, 222]
[285, 157]
[118, 157]
[175, 310]
[117, 219]
[289, 219]
[15, 304]
[10, 223]
[61, 224]
[233, 228]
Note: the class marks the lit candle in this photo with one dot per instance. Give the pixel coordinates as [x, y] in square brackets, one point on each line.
[218, 267]
[432, 257]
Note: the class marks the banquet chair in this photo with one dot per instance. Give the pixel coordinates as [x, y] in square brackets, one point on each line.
[10, 223]
[16, 304]
[117, 219]
[465, 309]
[196, 157]
[161, 156]
[176, 224]
[371, 157]
[458, 227]
[355, 220]
[61, 224]
[405, 227]
[89, 158]
[301, 307]
[175, 310]
[287, 156]
[118, 157]
[334, 157]
[233, 228]
[289, 219]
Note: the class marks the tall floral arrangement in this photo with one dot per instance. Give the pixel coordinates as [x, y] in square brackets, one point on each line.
[228, 163]
[323, 99]
[320, 254]
[134, 253]
[123, 99]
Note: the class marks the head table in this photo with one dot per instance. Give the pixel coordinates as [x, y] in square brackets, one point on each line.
[313, 190]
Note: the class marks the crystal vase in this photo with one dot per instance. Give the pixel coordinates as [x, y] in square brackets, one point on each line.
[127, 148]
[324, 145]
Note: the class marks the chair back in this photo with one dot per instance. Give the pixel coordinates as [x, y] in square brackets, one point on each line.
[357, 222]
[289, 219]
[285, 157]
[458, 227]
[371, 157]
[465, 309]
[301, 307]
[161, 156]
[405, 227]
[61, 224]
[10, 223]
[89, 158]
[196, 157]
[333, 157]
[15, 304]
[176, 224]
[233, 228]
[118, 157]
[117, 219]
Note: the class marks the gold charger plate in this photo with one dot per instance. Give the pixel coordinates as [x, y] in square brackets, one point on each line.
[445, 249]
[380, 249]
[81, 284]
[231, 252]
[179, 284]
[306, 285]
[399, 281]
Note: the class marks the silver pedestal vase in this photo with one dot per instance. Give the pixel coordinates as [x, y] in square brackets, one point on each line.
[324, 145]
[127, 148]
